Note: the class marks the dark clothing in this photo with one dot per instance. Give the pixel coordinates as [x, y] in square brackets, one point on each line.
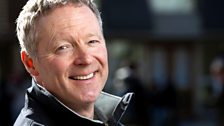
[43, 109]
[140, 104]
[220, 108]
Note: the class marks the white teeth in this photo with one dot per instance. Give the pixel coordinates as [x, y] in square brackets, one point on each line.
[84, 77]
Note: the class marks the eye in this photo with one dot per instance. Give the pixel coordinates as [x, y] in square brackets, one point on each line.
[93, 42]
[64, 48]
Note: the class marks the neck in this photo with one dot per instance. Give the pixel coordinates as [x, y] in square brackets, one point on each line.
[86, 112]
[83, 110]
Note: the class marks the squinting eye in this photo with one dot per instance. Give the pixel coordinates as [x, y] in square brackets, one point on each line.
[93, 41]
[64, 48]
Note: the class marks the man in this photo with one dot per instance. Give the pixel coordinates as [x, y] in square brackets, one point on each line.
[217, 75]
[63, 49]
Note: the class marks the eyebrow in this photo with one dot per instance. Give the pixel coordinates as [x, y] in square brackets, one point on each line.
[93, 34]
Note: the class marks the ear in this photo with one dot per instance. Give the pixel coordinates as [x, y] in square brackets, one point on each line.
[28, 63]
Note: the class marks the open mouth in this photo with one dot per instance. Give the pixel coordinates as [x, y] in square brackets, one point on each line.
[82, 77]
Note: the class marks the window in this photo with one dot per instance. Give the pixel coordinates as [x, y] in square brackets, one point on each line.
[172, 6]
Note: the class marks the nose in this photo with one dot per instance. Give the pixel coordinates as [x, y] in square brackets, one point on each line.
[82, 57]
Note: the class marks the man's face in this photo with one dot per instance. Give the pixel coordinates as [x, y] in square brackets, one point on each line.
[72, 55]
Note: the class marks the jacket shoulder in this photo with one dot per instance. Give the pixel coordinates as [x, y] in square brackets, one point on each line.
[24, 120]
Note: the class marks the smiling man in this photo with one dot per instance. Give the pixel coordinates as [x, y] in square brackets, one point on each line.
[63, 49]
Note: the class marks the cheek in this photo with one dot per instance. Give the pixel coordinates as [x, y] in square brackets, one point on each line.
[103, 60]
[53, 67]
[102, 54]
[59, 65]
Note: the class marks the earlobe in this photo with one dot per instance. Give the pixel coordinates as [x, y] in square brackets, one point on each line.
[28, 63]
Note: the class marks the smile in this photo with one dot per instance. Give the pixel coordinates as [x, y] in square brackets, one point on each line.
[83, 77]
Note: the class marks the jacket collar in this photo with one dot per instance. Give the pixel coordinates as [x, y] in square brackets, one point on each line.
[108, 108]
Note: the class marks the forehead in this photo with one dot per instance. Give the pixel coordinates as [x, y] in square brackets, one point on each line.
[68, 17]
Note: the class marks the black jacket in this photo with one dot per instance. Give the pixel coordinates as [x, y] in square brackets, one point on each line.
[42, 109]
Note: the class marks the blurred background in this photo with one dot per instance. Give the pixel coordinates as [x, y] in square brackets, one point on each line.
[169, 52]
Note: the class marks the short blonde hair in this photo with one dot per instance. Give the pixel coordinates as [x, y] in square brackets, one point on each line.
[34, 9]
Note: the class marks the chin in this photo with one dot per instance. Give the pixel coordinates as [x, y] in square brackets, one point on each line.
[91, 97]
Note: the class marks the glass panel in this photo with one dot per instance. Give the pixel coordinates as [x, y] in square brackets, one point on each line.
[159, 67]
[181, 68]
[172, 6]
